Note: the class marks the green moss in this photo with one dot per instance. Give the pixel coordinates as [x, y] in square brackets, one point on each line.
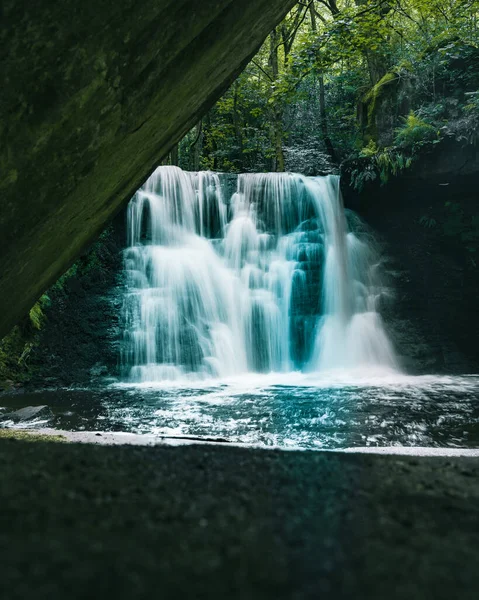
[376, 93]
[29, 436]
[16, 347]
[36, 314]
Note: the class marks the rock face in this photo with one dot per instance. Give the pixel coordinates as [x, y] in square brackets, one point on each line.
[93, 96]
[433, 318]
[78, 343]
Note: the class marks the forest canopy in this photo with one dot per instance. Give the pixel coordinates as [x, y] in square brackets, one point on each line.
[338, 79]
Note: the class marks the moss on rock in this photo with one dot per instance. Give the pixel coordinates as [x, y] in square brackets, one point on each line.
[376, 94]
[16, 348]
[22, 435]
[383, 104]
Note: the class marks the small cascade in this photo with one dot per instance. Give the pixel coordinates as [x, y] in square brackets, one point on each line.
[273, 278]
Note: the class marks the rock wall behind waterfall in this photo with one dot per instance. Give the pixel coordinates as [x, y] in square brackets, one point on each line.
[78, 342]
[433, 319]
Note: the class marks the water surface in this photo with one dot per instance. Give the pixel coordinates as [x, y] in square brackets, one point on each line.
[284, 410]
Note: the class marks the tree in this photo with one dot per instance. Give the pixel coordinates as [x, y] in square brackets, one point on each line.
[336, 74]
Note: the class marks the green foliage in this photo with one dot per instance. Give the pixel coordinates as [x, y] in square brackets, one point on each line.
[379, 163]
[16, 347]
[410, 68]
[363, 174]
[391, 162]
[428, 222]
[472, 106]
[370, 150]
[414, 131]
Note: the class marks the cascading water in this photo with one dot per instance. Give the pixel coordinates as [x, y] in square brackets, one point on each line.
[276, 277]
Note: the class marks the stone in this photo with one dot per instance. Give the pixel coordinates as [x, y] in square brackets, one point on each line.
[29, 413]
[94, 95]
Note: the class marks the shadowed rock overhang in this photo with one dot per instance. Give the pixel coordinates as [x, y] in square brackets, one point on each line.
[94, 95]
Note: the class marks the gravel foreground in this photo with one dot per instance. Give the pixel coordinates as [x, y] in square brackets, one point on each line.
[218, 522]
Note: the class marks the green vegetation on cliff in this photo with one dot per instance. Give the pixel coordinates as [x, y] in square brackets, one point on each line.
[16, 347]
[18, 350]
[368, 87]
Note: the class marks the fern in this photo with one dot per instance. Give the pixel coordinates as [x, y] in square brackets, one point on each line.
[428, 222]
[415, 131]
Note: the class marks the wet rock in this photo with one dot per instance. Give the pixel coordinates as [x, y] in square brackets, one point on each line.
[29, 413]
[98, 370]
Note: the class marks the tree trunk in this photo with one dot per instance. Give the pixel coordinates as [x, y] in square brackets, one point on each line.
[237, 126]
[324, 122]
[197, 147]
[277, 124]
[323, 117]
[174, 155]
[278, 141]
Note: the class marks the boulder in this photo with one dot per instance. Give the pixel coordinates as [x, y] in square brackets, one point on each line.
[94, 95]
[29, 413]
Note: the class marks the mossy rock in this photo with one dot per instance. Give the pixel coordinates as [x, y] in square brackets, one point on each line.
[383, 104]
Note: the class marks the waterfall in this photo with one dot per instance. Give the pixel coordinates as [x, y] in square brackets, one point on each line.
[274, 277]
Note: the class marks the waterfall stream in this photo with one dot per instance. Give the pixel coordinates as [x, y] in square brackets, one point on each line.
[275, 277]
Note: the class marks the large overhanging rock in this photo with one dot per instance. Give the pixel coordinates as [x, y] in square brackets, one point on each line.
[94, 94]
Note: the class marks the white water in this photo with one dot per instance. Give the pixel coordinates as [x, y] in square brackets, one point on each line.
[271, 279]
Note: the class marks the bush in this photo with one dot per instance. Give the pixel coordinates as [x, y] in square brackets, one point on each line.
[379, 163]
[414, 132]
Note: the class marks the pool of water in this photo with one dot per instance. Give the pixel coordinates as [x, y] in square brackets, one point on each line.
[286, 411]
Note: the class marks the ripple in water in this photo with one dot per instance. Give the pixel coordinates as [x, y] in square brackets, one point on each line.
[285, 410]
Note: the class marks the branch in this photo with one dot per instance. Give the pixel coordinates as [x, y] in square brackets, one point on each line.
[261, 69]
[298, 21]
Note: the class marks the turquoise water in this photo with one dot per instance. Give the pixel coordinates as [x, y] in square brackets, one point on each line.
[286, 411]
